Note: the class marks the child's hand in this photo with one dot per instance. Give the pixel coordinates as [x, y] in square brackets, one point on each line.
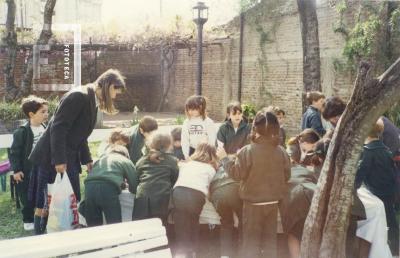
[221, 153]
[18, 177]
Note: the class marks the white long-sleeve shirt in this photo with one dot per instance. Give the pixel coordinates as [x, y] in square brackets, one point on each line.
[196, 130]
[195, 175]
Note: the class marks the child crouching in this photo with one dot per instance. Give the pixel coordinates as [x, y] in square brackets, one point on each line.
[188, 196]
[157, 173]
[103, 186]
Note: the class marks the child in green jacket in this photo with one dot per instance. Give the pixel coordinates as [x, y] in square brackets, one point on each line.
[157, 173]
[103, 186]
[24, 139]
[139, 133]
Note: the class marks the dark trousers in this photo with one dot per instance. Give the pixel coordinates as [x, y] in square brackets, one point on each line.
[393, 234]
[259, 231]
[46, 174]
[101, 198]
[227, 202]
[188, 204]
[27, 206]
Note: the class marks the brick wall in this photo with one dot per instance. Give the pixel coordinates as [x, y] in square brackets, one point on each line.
[281, 78]
[142, 72]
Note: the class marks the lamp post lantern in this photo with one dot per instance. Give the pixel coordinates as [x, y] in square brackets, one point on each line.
[200, 16]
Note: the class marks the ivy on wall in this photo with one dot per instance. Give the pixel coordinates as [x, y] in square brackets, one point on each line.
[263, 17]
[366, 37]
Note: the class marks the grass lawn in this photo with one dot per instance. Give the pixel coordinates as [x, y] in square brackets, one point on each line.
[10, 217]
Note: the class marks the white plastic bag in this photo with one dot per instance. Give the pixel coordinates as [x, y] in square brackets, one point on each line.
[63, 211]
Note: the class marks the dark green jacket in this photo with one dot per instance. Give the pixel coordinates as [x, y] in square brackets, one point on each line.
[233, 141]
[113, 168]
[155, 179]
[136, 144]
[21, 149]
[376, 169]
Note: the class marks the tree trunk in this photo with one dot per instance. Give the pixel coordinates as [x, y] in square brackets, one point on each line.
[45, 35]
[327, 222]
[310, 40]
[9, 44]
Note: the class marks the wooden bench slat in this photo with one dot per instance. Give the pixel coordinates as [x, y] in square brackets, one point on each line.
[81, 240]
[127, 248]
[165, 253]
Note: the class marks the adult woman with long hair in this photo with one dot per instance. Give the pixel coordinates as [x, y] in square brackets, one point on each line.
[63, 147]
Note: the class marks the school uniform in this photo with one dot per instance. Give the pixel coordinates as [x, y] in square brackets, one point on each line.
[312, 119]
[188, 198]
[234, 139]
[103, 187]
[263, 170]
[224, 191]
[24, 138]
[377, 171]
[65, 141]
[136, 144]
[155, 182]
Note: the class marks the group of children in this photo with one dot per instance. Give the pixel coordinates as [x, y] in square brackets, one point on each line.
[241, 167]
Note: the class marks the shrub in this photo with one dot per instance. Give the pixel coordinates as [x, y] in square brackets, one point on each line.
[180, 119]
[249, 112]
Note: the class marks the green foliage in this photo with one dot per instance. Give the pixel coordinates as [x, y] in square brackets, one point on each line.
[249, 111]
[179, 119]
[362, 39]
[11, 111]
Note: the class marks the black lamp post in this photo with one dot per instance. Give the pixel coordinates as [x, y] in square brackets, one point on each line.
[200, 16]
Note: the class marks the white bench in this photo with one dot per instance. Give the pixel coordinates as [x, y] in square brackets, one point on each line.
[128, 239]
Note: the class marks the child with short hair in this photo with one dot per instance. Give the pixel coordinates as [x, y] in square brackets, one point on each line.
[377, 172]
[189, 195]
[312, 116]
[24, 139]
[139, 133]
[176, 142]
[103, 186]
[117, 136]
[263, 168]
[157, 173]
[224, 191]
[197, 127]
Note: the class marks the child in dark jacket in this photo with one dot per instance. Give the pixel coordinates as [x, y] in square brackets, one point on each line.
[24, 139]
[224, 191]
[139, 133]
[103, 186]
[377, 172]
[157, 173]
[263, 169]
[176, 142]
[312, 116]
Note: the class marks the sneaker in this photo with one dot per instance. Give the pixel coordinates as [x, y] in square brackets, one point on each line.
[28, 226]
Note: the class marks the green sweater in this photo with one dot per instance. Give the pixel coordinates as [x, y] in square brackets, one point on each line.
[136, 144]
[156, 179]
[113, 168]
